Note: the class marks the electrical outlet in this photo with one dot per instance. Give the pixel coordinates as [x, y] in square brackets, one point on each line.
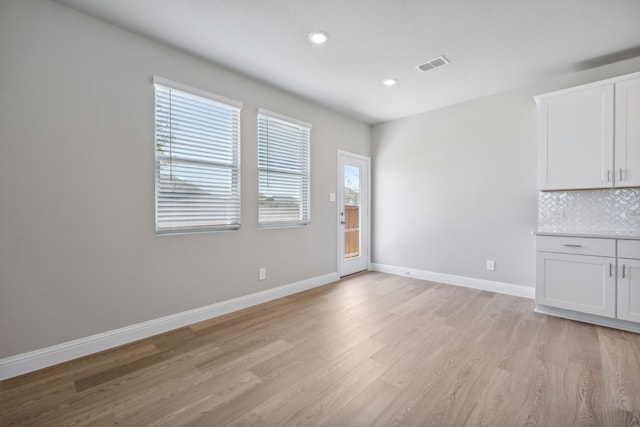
[263, 273]
[491, 265]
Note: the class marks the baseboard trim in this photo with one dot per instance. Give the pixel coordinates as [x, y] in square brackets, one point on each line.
[451, 279]
[589, 318]
[49, 356]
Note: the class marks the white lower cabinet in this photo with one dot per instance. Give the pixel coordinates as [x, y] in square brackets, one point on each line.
[589, 276]
[577, 282]
[629, 280]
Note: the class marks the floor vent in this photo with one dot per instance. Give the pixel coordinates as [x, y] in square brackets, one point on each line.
[434, 63]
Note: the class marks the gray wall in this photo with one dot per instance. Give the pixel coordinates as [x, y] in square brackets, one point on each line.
[78, 252]
[457, 186]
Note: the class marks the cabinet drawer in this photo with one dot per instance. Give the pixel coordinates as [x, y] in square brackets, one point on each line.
[577, 245]
[629, 249]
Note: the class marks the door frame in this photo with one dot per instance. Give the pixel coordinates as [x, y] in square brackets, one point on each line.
[366, 215]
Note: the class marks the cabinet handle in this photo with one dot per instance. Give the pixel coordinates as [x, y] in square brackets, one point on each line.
[608, 175]
[572, 246]
[620, 174]
[623, 268]
[610, 267]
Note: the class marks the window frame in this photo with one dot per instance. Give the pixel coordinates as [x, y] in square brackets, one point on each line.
[235, 148]
[305, 194]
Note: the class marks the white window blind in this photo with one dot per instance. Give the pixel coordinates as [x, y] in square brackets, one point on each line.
[197, 156]
[283, 170]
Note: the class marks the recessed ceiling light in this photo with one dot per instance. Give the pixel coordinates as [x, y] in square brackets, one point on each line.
[389, 82]
[318, 37]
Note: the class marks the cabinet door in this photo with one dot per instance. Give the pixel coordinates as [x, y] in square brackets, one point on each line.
[627, 139]
[629, 289]
[576, 139]
[577, 282]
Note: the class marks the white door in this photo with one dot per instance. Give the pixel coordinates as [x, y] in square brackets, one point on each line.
[353, 213]
[627, 138]
[629, 289]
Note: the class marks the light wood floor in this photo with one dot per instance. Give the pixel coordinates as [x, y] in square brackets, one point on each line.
[374, 349]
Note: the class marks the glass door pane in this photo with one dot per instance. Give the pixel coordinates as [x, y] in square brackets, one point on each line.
[352, 182]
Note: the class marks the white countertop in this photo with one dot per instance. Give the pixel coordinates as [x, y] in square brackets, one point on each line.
[630, 235]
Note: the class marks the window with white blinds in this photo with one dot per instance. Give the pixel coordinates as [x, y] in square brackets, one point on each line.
[197, 155]
[283, 170]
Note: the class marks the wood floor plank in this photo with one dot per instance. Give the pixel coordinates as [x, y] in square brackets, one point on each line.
[47, 378]
[124, 369]
[364, 408]
[336, 396]
[410, 356]
[192, 400]
[517, 354]
[373, 349]
[542, 398]
[584, 344]
[319, 396]
[457, 392]
[620, 368]
[110, 396]
[427, 379]
[470, 311]
[490, 402]
[555, 337]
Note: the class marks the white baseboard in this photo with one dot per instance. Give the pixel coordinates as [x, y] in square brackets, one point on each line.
[49, 356]
[451, 279]
[589, 318]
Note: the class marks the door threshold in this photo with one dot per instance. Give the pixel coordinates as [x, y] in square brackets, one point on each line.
[354, 274]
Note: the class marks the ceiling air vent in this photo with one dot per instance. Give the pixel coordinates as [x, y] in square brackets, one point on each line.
[434, 63]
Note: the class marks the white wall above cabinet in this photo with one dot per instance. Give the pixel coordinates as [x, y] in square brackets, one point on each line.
[589, 136]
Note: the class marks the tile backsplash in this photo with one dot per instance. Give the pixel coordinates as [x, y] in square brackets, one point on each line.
[611, 211]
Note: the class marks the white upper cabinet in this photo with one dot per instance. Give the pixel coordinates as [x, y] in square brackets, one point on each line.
[627, 133]
[589, 136]
[576, 139]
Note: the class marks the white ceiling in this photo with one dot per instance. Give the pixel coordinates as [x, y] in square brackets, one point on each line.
[493, 45]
